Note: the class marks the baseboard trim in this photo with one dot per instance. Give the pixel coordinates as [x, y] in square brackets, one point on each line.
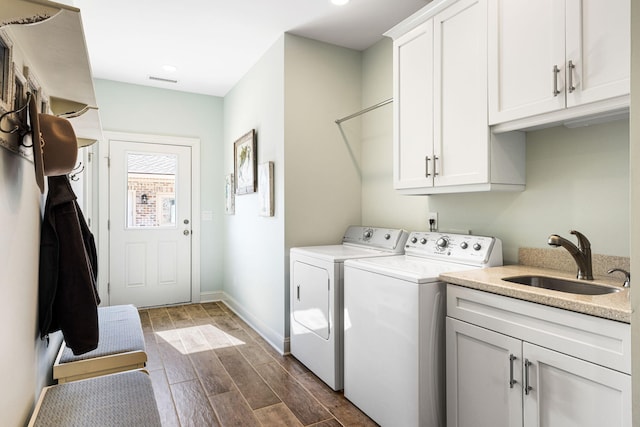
[276, 340]
[211, 296]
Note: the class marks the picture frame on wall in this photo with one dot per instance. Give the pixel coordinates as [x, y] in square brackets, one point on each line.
[229, 195]
[245, 163]
[265, 188]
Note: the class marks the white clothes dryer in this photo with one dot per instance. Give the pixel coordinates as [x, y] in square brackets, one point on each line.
[316, 296]
[394, 339]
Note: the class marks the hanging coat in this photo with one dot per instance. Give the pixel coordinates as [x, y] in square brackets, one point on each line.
[68, 297]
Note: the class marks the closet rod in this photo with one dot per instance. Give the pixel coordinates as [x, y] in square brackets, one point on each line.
[366, 110]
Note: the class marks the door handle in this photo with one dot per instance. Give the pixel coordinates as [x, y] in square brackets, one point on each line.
[427, 159]
[512, 381]
[435, 165]
[556, 71]
[527, 387]
[186, 232]
[571, 67]
[298, 292]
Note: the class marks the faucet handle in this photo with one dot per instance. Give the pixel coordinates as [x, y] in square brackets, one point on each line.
[627, 276]
[583, 242]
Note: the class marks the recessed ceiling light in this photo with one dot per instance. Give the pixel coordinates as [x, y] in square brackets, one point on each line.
[339, 2]
[169, 68]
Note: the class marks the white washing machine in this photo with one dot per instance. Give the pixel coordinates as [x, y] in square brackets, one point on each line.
[316, 333]
[394, 339]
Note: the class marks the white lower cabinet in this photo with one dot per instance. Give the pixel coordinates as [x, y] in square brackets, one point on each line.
[498, 379]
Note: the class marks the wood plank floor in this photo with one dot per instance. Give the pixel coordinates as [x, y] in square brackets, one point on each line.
[209, 368]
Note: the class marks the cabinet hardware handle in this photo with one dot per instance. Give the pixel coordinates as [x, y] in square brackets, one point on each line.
[527, 387]
[556, 71]
[512, 381]
[435, 163]
[427, 159]
[571, 67]
[298, 292]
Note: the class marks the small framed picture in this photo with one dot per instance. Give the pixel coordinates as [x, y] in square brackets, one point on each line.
[229, 195]
[265, 188]
[245, 163]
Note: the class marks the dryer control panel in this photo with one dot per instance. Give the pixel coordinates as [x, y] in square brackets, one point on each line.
[482, 251]
[388, 239]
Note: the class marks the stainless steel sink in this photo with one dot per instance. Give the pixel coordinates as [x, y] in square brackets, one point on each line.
[562, 285]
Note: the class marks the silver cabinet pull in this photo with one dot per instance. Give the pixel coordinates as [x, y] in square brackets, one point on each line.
[571, 67]
[427, 159]
[527, 387]
[556, 70]
[435, 163]
[298, 292]
[512, 381]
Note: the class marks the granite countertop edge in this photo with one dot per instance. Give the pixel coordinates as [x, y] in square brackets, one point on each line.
[614, 306]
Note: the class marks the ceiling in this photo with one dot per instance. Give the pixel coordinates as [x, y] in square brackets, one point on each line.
[213, 43]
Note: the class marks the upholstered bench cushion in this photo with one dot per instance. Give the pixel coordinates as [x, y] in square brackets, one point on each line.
[122, 399]
[120, 347]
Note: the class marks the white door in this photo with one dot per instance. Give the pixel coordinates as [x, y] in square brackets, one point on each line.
[460, 76]
[484, 377]
[565, 391]
[413, 108]
[526, 42]
[150, 224]
[598, 45]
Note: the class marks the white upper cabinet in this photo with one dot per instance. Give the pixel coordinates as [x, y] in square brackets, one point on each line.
[413, 107]
[571, 57]
[442, 141]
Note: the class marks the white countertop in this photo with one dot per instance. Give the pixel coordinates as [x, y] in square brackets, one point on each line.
[614, 306]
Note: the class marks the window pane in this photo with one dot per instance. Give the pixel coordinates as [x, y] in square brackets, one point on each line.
[151, 196]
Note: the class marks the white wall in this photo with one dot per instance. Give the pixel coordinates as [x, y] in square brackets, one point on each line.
[253, 245]
[291, 97]
[635, 208]
[576, 178]
[381, 205]
[138, 109]
[26, 360]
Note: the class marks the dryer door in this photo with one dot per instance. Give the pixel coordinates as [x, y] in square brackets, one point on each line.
[311, 298]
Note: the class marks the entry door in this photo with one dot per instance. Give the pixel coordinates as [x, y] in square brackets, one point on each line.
[150, 224]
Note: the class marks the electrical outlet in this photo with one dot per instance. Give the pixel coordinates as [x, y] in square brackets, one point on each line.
[432, 221]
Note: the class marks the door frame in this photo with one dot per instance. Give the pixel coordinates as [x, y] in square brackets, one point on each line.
[103, 204]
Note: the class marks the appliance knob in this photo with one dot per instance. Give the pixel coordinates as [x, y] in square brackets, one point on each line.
[414, 239]
[477, 246]
[464, 245]
[423, 241]
[442, 242]
[368, 234]
[387, 236]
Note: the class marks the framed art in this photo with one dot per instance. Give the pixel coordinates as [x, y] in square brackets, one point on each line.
[229, 195]
[265, 188]
[245, 163]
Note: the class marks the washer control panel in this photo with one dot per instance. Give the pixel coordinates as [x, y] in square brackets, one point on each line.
[389, 239]
[463, 248]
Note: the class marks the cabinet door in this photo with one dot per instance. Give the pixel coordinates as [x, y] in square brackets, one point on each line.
[460, 82]
[526, 41]
[566, 392]
[479, 374]
[413, 108]
[598, 44]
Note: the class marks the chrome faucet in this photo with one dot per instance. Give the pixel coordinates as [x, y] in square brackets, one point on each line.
[581, 253]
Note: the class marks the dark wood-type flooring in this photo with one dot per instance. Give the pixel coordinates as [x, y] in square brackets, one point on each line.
[209, 368]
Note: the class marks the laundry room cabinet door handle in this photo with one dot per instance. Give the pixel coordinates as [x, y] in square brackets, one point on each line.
[298, 292]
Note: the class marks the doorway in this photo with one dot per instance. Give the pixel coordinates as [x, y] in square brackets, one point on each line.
[149, 238]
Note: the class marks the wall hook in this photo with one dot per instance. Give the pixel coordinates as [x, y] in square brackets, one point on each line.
[21, 126]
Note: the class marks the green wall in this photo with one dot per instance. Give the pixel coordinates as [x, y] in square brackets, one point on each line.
[145, 110]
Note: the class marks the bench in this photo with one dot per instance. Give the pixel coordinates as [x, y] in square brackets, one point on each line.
[124, 399]
[120, 347]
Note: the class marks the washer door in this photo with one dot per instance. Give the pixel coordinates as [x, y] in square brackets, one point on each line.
[311, 298]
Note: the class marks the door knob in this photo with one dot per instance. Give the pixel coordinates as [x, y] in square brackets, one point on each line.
[186, 232]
